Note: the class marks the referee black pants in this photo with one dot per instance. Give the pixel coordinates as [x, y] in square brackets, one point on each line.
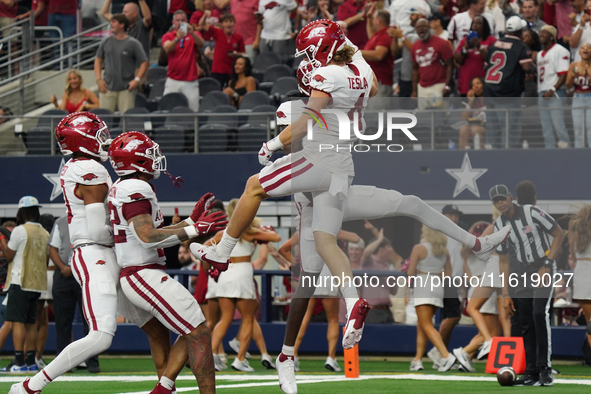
[66, 294]
[534, 315]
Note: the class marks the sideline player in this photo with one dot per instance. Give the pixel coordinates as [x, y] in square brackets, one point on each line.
[85, 184]
[139, 241]
[363, 202]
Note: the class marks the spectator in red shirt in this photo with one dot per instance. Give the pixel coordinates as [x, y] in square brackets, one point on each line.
[471, 54]
[228, 46]
[39, 9]
[181, 46]
[62, 14]
[214, 17]
[174, 6]
[8, 11]
[431, 78]
[377, 50]
[353, 13]
[244, 12]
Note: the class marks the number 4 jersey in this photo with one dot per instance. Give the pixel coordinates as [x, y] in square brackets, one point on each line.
[505, 76]
[127, 199]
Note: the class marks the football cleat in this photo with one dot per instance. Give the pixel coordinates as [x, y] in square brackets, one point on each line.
[487, 245]
[286, 373]
[355, 324]
[159, 389]
[22, 388]
[207, 255]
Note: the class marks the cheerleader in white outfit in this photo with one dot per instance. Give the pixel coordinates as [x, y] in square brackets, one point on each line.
[428, 260]
[482, 305]
[579, 237]
[235, 290]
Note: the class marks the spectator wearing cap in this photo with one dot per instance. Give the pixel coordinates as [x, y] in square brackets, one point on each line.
[459, 26]
[26, 252]
[377, 50]
[553, 62]
[438, 23]
[537, 241]
[508, 60]
[530, 14]
[353, 13]
[452, 309]
[432, 67]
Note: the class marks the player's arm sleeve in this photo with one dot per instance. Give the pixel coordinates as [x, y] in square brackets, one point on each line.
[503, 247]
[543, 219]
[97, 219]
[91, 174]
[323, 81]
[144, 207]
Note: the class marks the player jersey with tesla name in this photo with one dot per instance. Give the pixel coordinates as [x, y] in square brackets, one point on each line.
[348, 87]
[551, 65]
[127, 199]
[87, 172]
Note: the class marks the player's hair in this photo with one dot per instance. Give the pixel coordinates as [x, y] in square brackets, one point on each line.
[122, 19]
[579, 229]
[525, 193]
[485, 27]
[384, 16]
[437, 240]
[24, 215]
[344, 55]
[227, 17]
[465, 252]
[68, 88]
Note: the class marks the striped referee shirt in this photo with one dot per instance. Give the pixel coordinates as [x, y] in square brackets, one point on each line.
[530, 233]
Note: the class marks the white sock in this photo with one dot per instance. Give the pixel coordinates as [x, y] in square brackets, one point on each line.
[350, 295]
[225, 247]
[166, 383]
[287, 350]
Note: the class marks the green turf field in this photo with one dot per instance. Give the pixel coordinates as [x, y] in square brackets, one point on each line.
[135, 375]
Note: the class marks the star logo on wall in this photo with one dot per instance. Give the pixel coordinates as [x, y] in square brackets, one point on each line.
[55, 181]
[466, 177]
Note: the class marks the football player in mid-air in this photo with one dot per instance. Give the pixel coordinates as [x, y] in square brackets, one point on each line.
[139, 242]
[85, 184]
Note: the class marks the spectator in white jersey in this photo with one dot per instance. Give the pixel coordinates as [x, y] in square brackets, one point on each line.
[553, 62]
[276, 34]
[579, 79]
[459, 26]
[581, 33]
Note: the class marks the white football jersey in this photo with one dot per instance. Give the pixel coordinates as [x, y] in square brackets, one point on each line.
[349, 87]
[128, 249]
[551, 65]
[76, 172]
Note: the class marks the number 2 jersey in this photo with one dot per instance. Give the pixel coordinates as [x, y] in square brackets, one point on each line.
[504, 75]
[87, 172]
[127, 199]
[348, 87]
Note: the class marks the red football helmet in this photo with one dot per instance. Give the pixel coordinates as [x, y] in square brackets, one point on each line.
[83, 132]
[305, 70]
[134, 151]
[319, 40]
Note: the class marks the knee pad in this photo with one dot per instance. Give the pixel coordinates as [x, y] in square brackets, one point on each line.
[101, 341]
